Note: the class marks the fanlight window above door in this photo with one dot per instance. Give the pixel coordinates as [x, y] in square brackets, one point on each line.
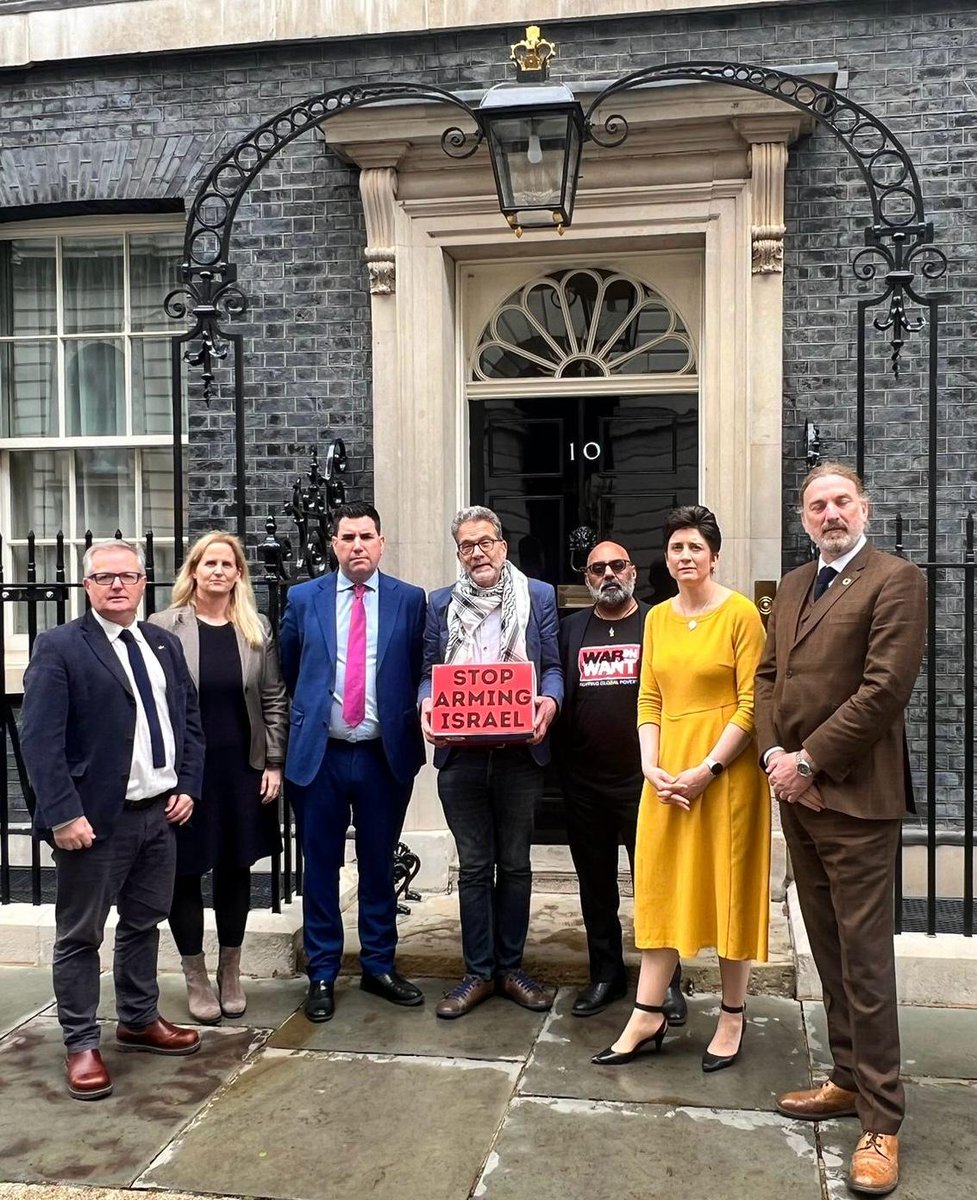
[583, 323]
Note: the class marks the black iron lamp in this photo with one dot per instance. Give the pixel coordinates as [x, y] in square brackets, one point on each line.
[535, 131]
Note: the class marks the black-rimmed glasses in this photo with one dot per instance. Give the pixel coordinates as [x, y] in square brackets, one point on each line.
[485, 544]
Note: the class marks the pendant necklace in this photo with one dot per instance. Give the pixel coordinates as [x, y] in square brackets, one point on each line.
[692, 623]
[610, 630]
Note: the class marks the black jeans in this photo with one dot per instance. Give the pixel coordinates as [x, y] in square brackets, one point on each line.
[597, 823]
[489, 799]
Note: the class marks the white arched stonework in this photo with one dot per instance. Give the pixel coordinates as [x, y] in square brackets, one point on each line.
[681, 186]
[554, 362]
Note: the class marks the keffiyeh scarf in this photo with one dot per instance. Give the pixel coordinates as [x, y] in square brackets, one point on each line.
[470, 605]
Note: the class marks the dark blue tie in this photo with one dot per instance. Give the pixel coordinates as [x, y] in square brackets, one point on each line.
[141, 676]
[823, 582]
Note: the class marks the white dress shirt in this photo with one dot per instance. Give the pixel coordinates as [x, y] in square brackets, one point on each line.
[145, 780]
[839, 564]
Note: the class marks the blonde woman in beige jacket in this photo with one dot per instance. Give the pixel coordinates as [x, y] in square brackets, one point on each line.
[244, 712]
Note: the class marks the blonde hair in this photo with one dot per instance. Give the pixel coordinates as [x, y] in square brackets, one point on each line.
[241, 608]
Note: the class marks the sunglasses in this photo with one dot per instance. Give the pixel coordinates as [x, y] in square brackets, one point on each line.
[617, 565]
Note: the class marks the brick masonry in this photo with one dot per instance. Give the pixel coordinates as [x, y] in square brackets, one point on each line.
[148, 128]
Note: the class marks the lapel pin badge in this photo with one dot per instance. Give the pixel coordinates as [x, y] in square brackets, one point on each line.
[846, 581]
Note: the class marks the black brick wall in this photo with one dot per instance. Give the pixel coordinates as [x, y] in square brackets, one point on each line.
[148, 128]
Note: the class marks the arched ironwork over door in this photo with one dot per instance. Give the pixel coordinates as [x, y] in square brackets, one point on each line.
[899, 241]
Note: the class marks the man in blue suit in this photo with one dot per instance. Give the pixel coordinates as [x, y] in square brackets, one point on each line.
[493, 614]
[114, 751]
[351, 649]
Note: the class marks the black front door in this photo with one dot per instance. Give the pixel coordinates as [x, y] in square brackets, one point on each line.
[613, 464]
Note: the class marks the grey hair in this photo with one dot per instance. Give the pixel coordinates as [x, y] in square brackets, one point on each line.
[113, 544]
[475, 512]
[833, 468]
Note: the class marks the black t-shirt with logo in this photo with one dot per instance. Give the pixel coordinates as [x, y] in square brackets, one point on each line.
[602, 742]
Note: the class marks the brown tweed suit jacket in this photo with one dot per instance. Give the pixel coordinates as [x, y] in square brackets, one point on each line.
[836, 676]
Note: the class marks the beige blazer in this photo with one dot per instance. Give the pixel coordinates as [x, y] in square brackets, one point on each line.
[264, 688]
[836, 676]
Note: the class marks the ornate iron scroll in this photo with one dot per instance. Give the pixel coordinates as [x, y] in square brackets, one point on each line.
[899, 235]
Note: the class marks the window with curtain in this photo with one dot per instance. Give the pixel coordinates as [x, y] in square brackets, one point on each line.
[85, 408]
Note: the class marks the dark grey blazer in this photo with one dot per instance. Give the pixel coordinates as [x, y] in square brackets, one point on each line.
[264, 688]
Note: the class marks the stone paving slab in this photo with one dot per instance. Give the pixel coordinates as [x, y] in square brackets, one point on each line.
[938, 1043]
[496, 1030]
[316, 1126]
[24, 991]
[270, 1001]
[938, 1154]
[584, 1150]
[47, 1135]
[774, 1056]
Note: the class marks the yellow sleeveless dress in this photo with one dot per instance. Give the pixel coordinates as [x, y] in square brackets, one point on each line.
[701, 878]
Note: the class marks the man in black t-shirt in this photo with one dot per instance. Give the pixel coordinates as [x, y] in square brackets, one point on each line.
[600, 764]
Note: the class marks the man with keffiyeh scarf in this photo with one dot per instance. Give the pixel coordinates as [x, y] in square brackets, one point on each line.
[493, 613]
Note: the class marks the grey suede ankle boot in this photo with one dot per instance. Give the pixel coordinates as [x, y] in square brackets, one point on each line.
[233, 1001]
[201, 998]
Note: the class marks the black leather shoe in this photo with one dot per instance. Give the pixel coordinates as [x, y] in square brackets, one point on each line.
[319, 1004]
[618, 1058]
[596, 996]
[674, 1004]
[392, 987]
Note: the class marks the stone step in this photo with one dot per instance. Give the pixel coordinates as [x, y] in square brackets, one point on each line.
[556, 949]
[558, 883]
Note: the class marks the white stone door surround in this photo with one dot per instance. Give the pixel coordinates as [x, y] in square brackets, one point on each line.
[699, 178]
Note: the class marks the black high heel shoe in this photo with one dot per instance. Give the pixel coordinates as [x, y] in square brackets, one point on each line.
[617, 1058]
[716, 1062]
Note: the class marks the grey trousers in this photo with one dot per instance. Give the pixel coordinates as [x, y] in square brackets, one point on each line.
[134, 868]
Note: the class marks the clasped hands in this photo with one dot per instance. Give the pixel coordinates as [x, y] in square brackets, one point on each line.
[789, 784]
[680, 789]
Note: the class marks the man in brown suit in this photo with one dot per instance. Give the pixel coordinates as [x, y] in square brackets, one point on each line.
[843, 651]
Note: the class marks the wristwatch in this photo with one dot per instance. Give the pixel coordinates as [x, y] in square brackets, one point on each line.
[714, 766]
[804, 768]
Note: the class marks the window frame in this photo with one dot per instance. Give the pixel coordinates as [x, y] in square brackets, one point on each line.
[122, 227]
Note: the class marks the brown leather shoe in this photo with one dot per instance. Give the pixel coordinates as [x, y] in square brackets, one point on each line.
[818, 1104]
[87, 1076]
[158, 1038]
[464, 996]
[875, 1164]
[524, 990]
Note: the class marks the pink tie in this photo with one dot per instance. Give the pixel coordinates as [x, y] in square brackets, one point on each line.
[354, 695]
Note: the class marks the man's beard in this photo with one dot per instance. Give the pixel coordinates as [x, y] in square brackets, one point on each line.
[838, 541]
[613, 595]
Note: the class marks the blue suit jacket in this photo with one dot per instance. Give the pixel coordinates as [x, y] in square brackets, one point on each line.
[79, 724]
[308, 654]
[542, 649]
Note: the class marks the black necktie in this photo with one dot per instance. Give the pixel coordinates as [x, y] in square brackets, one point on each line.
[141, 676]
[823, 581]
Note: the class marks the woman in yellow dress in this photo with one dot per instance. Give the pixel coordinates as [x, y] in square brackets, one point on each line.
[702, 859]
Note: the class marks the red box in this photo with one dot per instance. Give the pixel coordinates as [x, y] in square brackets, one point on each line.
[483, 702]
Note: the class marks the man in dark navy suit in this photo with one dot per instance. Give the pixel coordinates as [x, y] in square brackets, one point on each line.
[351, 646]
[114, 750]
[493, 614]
